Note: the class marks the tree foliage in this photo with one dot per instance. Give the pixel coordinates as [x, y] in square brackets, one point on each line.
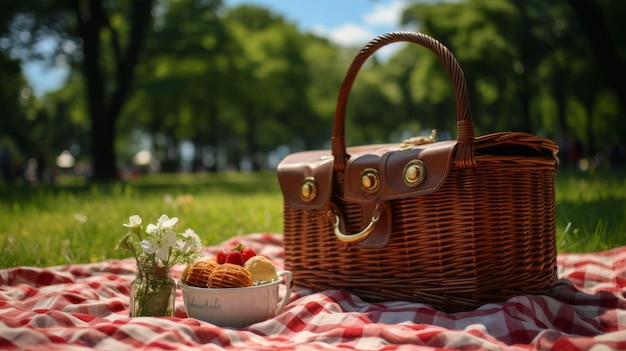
[243, 85]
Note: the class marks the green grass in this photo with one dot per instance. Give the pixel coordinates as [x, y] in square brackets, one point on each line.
[74, 222]
[591, 210]
[45, 226]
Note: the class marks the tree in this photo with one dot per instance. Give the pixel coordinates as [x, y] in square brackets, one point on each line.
[184, 81]
[14, 95]
[528, 61]
[11, 99]
[327, 65]
[107, 97]
[499, 48]
[272, 76]
[606, 53]
[108, 37]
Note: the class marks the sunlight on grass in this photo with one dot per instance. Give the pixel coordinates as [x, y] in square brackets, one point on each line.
[83, 224]
[594, 208]
[78, 222]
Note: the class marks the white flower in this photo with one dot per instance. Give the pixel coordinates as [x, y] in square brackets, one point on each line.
[152, 229]
[167, 223]
[134, 223]
[191, 241]
[159, 244]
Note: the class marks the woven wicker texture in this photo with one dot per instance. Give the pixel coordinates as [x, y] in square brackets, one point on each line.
[487, 234]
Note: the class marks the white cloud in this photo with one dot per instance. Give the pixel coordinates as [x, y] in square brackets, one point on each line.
[385, 14]
[319, 30]
[348, 34]
[382, 18]
[351, 35]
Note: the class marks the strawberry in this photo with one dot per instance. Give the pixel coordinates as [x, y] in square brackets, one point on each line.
[234, 257]
[220, 256]
[247, 253]
[238, 255]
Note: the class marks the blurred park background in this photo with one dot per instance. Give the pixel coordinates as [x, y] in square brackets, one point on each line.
[199, 86]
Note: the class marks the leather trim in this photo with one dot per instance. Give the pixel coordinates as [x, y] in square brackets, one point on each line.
[382, 232]
[387, 159]
[437, 159]
[294, 168]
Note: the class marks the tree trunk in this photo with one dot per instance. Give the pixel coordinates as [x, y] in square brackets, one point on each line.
[524, 100]
[251, 139]
[558, 91]
[104, 110]
[609, 63]
[528, 60]
[214, 132]
[590, 150]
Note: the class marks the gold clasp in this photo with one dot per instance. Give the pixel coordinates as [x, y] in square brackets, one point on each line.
[414, 173]
[308, 189]
[350, 238]
[418, 140]
[370, 181]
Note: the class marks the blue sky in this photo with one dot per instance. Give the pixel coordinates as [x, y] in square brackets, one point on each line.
[348, 22]
[345, 22]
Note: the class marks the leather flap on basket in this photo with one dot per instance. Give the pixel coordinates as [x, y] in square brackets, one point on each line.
[310, 172]
[432, 161]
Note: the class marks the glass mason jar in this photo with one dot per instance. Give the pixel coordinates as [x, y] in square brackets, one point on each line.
[153, 292]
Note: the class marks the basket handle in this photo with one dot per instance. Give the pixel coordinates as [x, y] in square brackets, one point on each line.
[465, 126]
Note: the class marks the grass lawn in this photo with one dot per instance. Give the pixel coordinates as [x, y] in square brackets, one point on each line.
[73, 223]
[591, 210]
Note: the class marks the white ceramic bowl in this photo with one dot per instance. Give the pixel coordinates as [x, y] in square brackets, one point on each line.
[236, 307]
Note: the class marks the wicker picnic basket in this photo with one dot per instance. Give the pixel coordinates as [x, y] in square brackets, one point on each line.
[454, 224]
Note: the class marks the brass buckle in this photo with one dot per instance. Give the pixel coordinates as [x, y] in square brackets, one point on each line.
[418, 140]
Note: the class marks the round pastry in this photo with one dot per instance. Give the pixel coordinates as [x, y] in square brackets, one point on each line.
[261, 268]
[229, 275]
[197, 273]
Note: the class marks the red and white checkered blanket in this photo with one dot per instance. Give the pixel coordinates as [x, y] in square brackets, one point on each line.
[85, 306]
